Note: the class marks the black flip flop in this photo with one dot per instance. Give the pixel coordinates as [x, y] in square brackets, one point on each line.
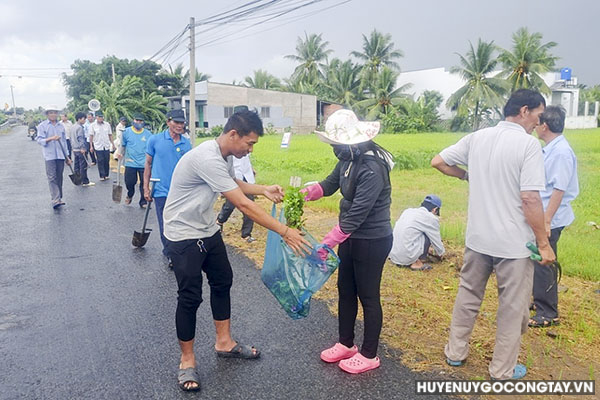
[240, 351]
[186, 375]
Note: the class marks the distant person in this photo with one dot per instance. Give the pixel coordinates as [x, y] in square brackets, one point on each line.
[86, 127]
[414, 233]
[80, 149]
[64, 120]
[244, 172]
[133, 145]
[101, 142]
[163, 152]
[506, 175]
[194, 241]
[53, 138]
[119, 129]
[562, 187]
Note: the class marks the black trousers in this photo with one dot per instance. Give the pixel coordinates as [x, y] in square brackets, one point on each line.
[359, 278]
[92, 155]
[190, 258]
[423, 256]
[80, 166]
[546, 301]
[103, 157]
[159, 205]
[131, 178]
[226, 211]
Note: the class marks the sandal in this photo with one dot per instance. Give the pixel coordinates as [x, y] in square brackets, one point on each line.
[187, 375]
[359, 363]
[537, 321]
[425, 267]
[240, 351]
[338, 352]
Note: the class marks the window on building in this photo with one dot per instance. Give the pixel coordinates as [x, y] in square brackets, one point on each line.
[227, 112]
[265, 112]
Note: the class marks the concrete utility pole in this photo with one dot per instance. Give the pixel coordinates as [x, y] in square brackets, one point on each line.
[113, 73]
[13, 99]
[192, 78]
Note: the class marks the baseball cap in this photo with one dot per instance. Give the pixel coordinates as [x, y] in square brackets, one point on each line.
[176, 115]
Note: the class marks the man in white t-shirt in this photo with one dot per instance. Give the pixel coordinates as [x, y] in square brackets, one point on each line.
[194, 240]
[415, 232]
[506, 174]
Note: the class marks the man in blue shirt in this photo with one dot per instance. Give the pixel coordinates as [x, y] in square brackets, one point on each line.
[52, 136]
[133, 145]
[562, 187]
[163, 152]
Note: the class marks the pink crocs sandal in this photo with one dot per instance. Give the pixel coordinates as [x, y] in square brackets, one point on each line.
[338, 352]
[359, 363]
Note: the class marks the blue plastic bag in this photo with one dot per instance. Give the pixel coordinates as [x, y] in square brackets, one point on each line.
[293, 279]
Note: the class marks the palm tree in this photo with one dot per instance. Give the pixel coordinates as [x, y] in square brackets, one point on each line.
[480, 91]
[263, 80]
[153, 108]
[528, 59]
[311, 53]
[342, 83]
[378, 51]
[383, 96]
[118, 98]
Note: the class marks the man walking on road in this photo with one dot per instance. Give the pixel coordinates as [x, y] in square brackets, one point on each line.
[506, 174]
[86, 127]
[562, 187]
[80, 149]
[119, 129]
[194, 241]
[163, 152]
[133, 145]
[101, 142]
[51, 135]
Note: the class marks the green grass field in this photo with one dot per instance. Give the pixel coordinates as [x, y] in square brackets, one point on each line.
[413, 178]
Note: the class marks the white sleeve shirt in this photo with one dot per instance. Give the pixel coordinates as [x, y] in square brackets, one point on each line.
[409, 235]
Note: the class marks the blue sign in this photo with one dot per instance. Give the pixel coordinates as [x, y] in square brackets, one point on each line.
[565, 74]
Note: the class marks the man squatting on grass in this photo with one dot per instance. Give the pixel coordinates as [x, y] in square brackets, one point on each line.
[194, 241]
[562, 187]
[506, 174]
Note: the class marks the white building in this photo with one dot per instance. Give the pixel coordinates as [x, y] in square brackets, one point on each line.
[565, 93]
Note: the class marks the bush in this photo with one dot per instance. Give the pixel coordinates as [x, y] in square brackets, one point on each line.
[215, 131]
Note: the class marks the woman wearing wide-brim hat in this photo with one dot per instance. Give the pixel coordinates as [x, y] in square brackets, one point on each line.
[364, 233]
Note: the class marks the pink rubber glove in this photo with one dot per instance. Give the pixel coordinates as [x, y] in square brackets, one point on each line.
[332, 239]
[313, 192]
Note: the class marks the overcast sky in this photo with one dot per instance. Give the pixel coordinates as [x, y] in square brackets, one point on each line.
[52, 34]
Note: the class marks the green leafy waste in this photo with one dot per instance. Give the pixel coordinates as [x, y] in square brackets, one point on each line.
[293, 206]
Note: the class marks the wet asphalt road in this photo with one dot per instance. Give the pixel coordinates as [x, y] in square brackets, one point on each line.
[84, 315]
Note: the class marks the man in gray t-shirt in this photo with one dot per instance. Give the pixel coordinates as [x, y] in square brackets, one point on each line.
[194, 241]
[506, 173]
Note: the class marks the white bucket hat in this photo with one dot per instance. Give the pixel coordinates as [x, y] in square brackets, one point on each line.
[52, 107]
[343, 127]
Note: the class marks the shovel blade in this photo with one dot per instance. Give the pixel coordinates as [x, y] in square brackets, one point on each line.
[117, 193]
[76, 179]
[140, 238]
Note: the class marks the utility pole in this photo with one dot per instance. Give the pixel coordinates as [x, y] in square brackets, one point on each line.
[13, 99]
[113, 72]
[192, 79]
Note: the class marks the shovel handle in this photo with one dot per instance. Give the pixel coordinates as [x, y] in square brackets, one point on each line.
[65, 154]
[148, 207]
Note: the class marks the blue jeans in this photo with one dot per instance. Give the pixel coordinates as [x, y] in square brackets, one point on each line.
[159, 203]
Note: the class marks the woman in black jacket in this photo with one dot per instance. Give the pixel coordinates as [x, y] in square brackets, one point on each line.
[364, 233]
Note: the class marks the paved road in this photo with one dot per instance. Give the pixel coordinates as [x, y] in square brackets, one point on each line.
[84, 315]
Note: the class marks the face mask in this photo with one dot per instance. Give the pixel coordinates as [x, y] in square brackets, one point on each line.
[138, 125]
[345, 152]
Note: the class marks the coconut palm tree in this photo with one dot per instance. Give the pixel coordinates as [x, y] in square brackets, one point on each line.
[528, 60]
[263, 80]
[383, 96]
[481, 91]
[311, 54]
[377, 52]
[342, 83]
[153, 107]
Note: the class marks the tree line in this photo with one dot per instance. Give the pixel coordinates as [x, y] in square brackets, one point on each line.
[364, 82]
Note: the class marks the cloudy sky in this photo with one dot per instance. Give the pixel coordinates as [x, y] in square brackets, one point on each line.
[52, 34]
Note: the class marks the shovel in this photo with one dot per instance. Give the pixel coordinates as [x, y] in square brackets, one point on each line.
[140, 238]
[117, 192]
[75, 178]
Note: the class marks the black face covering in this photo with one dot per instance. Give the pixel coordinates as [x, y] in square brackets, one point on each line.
[345, 152]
